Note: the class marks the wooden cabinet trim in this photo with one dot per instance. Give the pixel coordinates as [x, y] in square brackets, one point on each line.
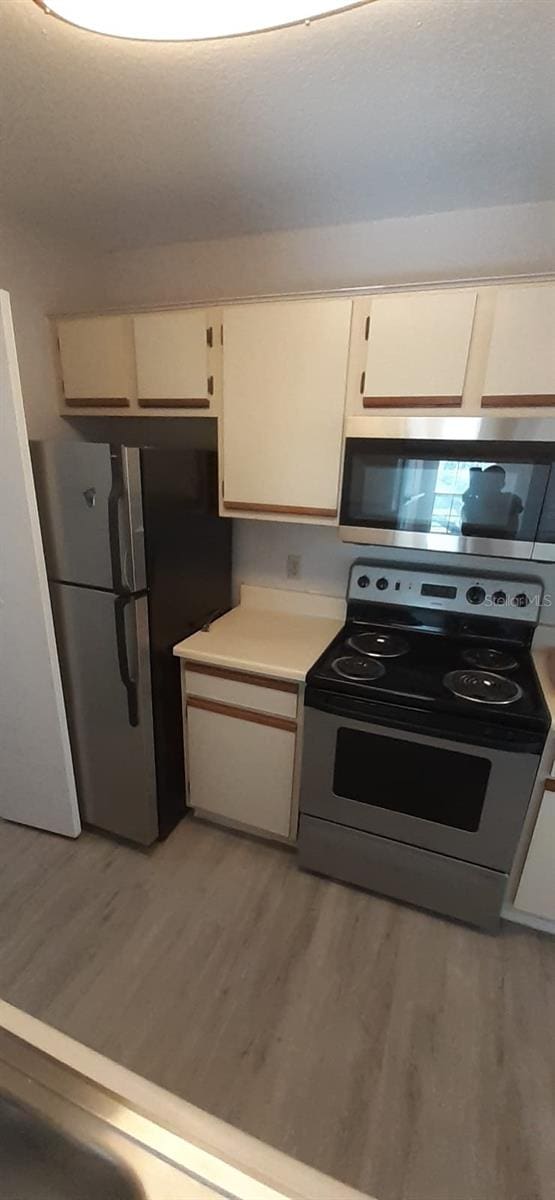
[173, 402]
[412, 401]
[97, 402]
[522, 401]
[244, 506]
[276, 685]
[242, 714]
[549, 785]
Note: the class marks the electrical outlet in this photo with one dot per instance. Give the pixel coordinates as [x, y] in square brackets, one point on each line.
[293, 566]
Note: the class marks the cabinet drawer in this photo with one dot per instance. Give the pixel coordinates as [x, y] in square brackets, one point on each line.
[257, 692]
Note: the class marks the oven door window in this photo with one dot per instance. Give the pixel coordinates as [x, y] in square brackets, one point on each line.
[471, 491]
[445, 786]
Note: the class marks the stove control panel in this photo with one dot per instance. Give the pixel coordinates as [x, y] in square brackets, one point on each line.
[415, 587]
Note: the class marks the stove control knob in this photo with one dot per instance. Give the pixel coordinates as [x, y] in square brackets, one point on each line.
[521, 600]
[499, 598]
[476, 594]
[382, 583]
[363, 581]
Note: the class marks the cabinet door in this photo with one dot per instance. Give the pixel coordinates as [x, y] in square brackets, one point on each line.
[521, 361]
[97, 361]
[536, 890]
[240, 765]
[418, 347]
[172, 359]
[284, 381]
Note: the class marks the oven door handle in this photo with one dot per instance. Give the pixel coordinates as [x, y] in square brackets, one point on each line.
[418, 721]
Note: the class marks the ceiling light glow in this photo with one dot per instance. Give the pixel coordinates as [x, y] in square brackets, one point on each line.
[189, 20]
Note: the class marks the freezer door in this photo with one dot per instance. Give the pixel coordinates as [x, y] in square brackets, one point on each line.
[89, 498]
[103, 642]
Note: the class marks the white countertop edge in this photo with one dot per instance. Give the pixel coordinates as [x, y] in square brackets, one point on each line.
[219, 1154]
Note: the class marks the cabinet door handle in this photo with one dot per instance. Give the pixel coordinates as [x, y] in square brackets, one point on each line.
[242, 714]
[242, 505]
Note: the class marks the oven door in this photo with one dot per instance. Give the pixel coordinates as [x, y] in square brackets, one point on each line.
[460, 800]
[483, 498]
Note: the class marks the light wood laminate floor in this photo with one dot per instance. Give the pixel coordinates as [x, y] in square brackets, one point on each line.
[407, 1055]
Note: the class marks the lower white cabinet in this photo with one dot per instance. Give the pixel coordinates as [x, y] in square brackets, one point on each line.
[240, 765]
[536, 890]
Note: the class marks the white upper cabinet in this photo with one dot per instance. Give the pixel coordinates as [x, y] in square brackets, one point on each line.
[284, 383]
[172, 352]
[97, 361]
[521, 362]
[418, 346]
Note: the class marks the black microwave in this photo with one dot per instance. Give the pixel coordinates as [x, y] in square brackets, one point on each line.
[493, 497]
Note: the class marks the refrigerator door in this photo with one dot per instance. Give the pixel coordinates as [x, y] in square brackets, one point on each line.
[103, 642]
[188, 553]
[91, 514]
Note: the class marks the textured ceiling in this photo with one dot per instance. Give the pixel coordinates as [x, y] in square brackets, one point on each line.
[400, 107]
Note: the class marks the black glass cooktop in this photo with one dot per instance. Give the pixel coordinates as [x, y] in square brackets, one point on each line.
[422, 674]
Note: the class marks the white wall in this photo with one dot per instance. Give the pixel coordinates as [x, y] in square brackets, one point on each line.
[261, 549]
[474, 242]
[43, 276]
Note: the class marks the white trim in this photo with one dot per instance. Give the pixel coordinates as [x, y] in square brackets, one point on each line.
[417, 285]
[509, 913]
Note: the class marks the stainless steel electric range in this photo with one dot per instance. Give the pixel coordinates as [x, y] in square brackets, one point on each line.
[424, 727]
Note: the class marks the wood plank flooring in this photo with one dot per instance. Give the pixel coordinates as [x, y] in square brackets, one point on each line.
[407, 1055]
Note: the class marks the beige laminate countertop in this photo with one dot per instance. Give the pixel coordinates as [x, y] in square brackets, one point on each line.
[271, 632]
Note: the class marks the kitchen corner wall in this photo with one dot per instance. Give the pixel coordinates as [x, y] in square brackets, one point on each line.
[261, 549]
[43, 276]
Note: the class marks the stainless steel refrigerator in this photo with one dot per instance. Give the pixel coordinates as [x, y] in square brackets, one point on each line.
[137, 559]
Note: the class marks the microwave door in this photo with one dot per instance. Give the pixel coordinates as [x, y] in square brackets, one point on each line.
[427, 497]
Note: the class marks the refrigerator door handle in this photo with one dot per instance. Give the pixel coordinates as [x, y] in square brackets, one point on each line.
[130, 685]
[116, 495]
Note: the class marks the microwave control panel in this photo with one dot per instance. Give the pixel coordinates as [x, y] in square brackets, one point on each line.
[415, 587]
